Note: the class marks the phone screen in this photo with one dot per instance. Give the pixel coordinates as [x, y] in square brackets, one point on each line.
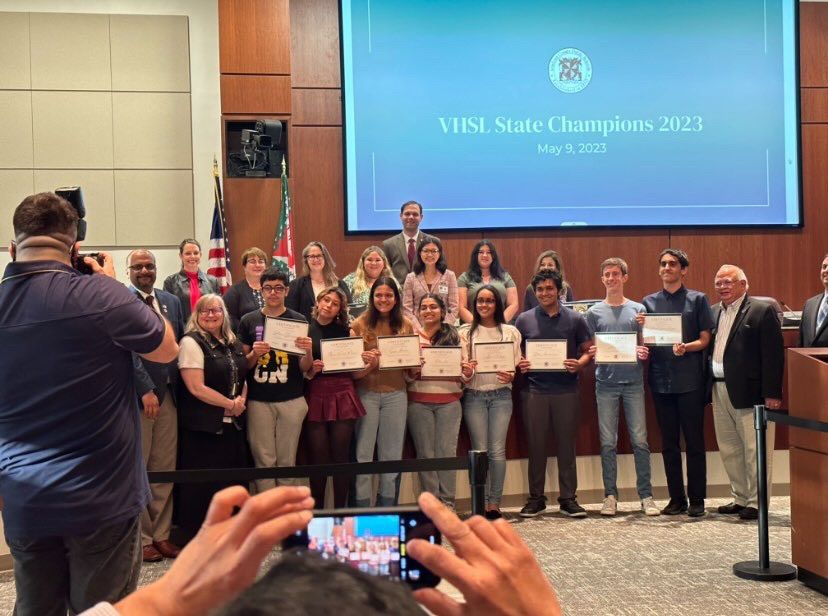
[372, 541]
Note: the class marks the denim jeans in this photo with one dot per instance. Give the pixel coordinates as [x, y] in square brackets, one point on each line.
[487, 415]
[434, 429]
[56, 574]
[608, 396]
[382, 426]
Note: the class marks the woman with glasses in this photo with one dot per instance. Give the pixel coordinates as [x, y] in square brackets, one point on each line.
[430, 275]
[246, 295]
[372, 264]
[317, 274]
[434, 410]
[190, 283]
[487, 404]
[211, 407]
[484, 268]
[548, 260]
[333, 404]
[383, 393]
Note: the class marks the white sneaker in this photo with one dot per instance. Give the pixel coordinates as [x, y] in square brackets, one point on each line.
[648, 506]
[610, 505]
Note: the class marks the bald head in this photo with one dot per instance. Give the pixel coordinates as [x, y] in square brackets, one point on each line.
[731, 283]
[141, 269]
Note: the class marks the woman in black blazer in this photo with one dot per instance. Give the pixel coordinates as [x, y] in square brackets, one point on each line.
[190, 283]
[246, 295]
[317, 275]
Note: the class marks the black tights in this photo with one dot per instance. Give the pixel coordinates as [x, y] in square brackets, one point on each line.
[330, 442]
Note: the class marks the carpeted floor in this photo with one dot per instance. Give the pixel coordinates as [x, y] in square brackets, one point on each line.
[636, 565]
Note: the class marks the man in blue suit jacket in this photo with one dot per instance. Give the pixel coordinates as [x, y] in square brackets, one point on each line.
[156, 384]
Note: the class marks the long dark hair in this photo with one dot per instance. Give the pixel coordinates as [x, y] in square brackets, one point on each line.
[499, 317]
[342, 317]
[447, 334]
[395, 317]
[473, 272]
[419, 266]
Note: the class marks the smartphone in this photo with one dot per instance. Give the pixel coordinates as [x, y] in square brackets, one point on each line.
[371, 540]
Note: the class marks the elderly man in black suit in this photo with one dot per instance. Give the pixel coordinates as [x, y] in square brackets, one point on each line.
[746, 367]
[401, 249]
[813, 330]
[156, 384]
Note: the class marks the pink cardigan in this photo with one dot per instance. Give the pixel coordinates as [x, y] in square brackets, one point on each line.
[415, 287]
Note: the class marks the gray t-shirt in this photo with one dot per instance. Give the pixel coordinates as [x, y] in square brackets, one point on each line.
[500, 286]
[602, 317]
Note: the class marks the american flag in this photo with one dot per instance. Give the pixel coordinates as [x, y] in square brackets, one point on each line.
[219, 255]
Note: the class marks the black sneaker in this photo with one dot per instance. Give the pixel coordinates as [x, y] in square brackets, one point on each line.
[572, 509]
[493, 514]
[674, 507]
[696, 509]
[749, 513]
[532, 508]
[731, 509]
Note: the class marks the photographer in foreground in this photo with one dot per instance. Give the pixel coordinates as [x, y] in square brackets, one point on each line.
[71, 475]
[491, 566]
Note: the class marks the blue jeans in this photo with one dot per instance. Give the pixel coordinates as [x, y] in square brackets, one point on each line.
[382, 426]
[434, 429]
[607, 396]
[487, 415]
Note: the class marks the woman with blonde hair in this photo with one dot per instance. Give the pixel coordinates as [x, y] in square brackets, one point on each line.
[372, 264]
[317, 274]
[211, 404]
[548, 260]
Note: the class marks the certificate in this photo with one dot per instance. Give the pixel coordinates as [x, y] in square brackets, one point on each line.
[399, 352]
[494, 357]
[662, 329]
[281, 334]
[442, 362]
[546, 355]
[342, 354]
[616, 348]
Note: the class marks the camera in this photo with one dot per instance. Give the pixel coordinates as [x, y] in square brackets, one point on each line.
[74, 195]
[257, 158]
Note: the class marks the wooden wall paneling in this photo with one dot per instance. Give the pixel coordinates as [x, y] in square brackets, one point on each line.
[247, 94]
[254, 37]
[814, 105]
[809, 506]
[317, 107]
[314, 38]
[252, 207]
[813, 44]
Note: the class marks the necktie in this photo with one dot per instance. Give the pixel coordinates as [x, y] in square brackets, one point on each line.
[147, 300]
[411, 253]
[823, 312]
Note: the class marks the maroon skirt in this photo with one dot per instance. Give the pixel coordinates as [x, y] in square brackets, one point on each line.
[333, 397]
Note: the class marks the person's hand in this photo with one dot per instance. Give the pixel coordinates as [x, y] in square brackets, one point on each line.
[524, 365]
[642, 352]
[639, 317]
[107, 269]
[371, 358]
[505, 377]
[304, 343]
[592, 350]
[467, 368]
[224, 557]
[491, 566]
[773, 404]
[316, 367]
[151, 404]
[679, 349]
[239, 404]
[260, 348]
[572, 365]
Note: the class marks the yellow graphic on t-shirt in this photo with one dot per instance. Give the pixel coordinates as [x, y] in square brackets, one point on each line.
[272, 367]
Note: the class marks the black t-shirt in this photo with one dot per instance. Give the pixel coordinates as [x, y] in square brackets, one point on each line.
[318, 332]
[276, 377]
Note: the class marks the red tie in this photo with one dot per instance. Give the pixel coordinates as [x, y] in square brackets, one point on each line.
[411, 253]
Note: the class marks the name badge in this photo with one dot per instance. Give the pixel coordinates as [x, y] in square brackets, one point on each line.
[442, 289]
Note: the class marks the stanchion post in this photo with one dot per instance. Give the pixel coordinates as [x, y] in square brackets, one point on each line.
[763, 570]
[478, 471]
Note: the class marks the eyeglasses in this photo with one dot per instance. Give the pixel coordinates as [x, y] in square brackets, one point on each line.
[430, 251]
[211, 311]
[255, 262]
[150, 267]
[273, 289]
[314, 257]
[724, 284]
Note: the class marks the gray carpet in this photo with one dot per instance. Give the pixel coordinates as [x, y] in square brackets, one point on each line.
[636, 565]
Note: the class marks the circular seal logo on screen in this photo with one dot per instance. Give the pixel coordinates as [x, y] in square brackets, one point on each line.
[570, 70]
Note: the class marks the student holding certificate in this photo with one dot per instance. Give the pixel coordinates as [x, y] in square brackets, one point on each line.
[382, 392]
[276, 404]
[487, 405]
[552, 400]
[677, 382]
[618, 377]
[434, 404]
[333, 404]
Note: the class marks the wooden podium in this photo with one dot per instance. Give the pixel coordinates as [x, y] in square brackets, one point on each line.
[808, 398]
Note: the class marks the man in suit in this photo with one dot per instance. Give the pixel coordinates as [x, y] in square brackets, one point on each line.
[813, 330]
[155, 384]
[401, 249]
[747, 364]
